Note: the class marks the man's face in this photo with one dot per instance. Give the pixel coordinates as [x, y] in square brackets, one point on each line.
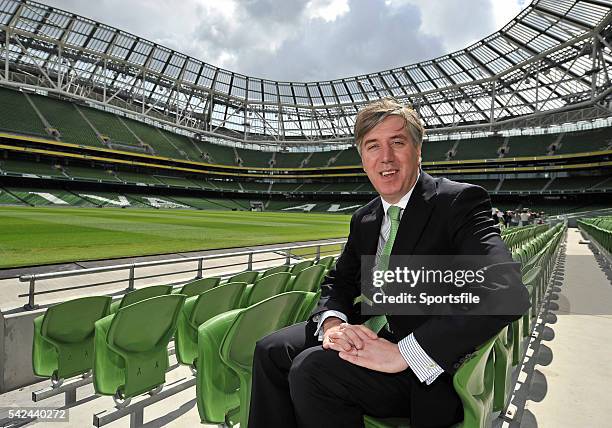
[390, 159]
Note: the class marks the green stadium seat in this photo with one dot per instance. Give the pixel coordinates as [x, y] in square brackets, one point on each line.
[504, 353]
[308, 279]
[131, 346]
[247, 276]
[63, 344]
[139, 295]
[228, 341]
[199, 309]
[298, 267]
[199, 286]
[327, 261]
[518, 334]
[265, 287]
[275, 269]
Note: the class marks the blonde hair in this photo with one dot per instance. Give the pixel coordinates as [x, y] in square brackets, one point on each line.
[374, 113]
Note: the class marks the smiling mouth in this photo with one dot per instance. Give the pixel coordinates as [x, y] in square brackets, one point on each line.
[388, 173]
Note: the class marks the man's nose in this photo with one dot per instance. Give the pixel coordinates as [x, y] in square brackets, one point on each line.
[387, 153]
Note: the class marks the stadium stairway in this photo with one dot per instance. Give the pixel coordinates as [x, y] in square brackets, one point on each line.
[566, 368]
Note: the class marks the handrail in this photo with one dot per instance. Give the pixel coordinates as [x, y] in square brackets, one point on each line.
[131, 267]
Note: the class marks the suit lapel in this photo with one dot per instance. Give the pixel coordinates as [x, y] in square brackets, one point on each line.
[370, 228]
[415, 217]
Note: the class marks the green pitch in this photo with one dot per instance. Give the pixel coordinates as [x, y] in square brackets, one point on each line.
[34, 236]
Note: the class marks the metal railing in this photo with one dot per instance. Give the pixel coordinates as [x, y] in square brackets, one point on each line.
[131, 268]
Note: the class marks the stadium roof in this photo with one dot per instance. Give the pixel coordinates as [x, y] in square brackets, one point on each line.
[551, 59]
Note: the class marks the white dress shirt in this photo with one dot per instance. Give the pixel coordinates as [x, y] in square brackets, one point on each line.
[423, 366]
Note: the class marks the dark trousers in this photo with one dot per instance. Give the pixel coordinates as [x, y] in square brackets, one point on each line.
[297, 383]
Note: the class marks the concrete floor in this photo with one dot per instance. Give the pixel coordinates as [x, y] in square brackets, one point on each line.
[180, 410]
[571, 385]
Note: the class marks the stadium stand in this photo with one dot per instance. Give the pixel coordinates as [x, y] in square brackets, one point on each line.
[585, 141]
[218, 154]
[44, 169]
[348, 156]
[154, 138]
[113, 127]
[478, 148]
[7, 198]
[289, 160]
[17, 114]
[176, 181]
[65, 118]
[524, 184]
[580, 183]
[183, 145]
[535, 145]
[600, 228]
[254, 158]
[90, 173]
[319, 159]
[132, 177]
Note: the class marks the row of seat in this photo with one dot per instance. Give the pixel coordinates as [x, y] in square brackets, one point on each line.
[514, 237]
[218, 338]
[127, 347]
[600, 229]
[483, 383]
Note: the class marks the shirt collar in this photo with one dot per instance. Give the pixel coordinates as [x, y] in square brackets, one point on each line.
[403, 201]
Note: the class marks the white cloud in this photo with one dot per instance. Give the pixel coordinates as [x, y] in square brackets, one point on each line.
[304, 40]
[505, 10]
[328, 10]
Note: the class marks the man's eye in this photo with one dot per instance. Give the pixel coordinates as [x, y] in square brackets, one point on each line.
[398, 143]
[372, 147]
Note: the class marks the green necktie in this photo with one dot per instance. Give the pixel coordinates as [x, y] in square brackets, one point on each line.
[376, 323]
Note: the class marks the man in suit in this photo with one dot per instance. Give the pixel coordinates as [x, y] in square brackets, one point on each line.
[333, 369]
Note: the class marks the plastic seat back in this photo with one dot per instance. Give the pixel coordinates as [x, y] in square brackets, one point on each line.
[474, 383]
[275, 269]
[503, 348]
[308, 279]
[63, 337]
[216, 384]
[199, 309]
[250, 325]
[310, 302]
[327, 261]
[247, 276]
[139, 334]
[199, 286]
[141, 294]
[266, 287]
[298, 267]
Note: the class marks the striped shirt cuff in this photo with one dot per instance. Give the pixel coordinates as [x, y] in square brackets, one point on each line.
[425, 369]
[320, 318]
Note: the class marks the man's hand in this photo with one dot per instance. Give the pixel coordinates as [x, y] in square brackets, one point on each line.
[376, 354]
[341, 336]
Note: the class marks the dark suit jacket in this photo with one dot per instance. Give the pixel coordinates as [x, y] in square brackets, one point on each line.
[442, 217]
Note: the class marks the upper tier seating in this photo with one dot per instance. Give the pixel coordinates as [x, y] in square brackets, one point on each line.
[17, 115]
[65, 118]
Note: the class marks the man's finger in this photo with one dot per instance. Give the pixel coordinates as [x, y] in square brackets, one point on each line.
[339, 348]
[369, 333]
[363, 332]
[354, 336]
[340, 342]
[354, 358]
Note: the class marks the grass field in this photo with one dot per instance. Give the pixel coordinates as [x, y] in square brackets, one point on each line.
[34, 236]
